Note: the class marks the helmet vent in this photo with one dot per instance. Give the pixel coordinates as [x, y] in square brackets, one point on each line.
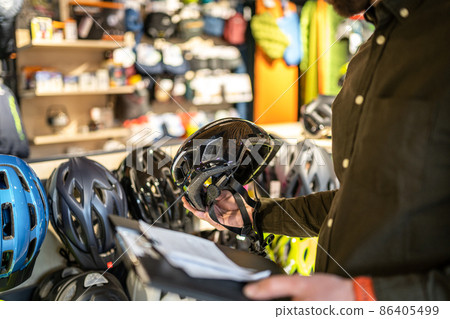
[314, 185]
[77, 195]
[69, 292]
[41, 195]
[31, 248]
[297, 186]
[72, 271]
[114, 210]
[94, 279]
[66, 174]
[331, 185]
[99, 229]
[308, 165]
[78, 229]
[32, 211]
[45, 290]
[23, 182]
[99, 192]
[323, 115]
[7, 221]
[59, 219]
[3, 181]
[7, 259]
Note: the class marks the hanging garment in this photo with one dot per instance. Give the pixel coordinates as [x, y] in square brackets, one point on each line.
[308, 66]
[13, 140]
[268, 35]
[235, 27]
[335, 56]
[290, 25]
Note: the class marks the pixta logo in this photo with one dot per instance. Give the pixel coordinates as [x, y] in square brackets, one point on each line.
[141, 147]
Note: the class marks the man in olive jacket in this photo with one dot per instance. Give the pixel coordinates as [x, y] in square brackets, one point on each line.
[385, 234]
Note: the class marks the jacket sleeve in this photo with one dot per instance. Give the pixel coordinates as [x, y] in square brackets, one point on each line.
[432, 285]
[297, 217]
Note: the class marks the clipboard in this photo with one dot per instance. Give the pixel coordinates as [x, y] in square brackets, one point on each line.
[155, 271]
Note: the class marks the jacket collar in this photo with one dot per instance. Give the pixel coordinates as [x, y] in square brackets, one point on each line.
[386, 9]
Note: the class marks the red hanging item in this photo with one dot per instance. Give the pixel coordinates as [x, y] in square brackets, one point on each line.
[234, 31]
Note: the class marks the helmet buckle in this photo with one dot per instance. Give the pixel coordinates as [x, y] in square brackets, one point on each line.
[212, 192]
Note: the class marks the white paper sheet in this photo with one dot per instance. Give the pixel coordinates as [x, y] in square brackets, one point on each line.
[198, 257]
[135, 243]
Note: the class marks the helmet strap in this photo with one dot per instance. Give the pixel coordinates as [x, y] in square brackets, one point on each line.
[240, 195]
[66, 255]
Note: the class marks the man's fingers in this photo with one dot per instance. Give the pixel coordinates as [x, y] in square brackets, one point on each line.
[274, 287]
[189, 207]
[200, 214]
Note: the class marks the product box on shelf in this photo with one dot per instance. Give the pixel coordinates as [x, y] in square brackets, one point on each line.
[98, 20]
[47, 82]
[41, 28]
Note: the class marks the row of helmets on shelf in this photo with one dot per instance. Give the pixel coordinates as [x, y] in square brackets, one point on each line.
[77, 200]
[183, 20]
[168, 59]
[200, 88]
[80, 195]
[197, 71]
[176, 59]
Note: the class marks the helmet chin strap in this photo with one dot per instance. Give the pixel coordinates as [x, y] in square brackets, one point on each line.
[240, 195]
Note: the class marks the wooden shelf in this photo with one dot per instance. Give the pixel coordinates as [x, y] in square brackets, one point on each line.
[80, 137]
[77, 44]
[183, 105]
[129, 89]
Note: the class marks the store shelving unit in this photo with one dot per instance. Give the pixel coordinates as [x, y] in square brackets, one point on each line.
[78, 44]
[80, 137]
[111, 91]
[68, 57]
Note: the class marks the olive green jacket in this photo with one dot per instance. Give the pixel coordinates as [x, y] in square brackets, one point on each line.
[390, 218]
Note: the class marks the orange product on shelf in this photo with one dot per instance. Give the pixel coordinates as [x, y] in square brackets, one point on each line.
[275, 84]
[322, 43]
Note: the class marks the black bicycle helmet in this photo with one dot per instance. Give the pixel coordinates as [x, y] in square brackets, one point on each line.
[86, 286]
[82, 193]
[311, 171]
[225, 154]
[51, 284]
[151, 193]
[159, 25]
[316, 116]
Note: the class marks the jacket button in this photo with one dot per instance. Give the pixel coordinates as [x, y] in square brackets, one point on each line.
[330, 223]
[381, 39]
[359, 100]
[404, 13]
[345, 163]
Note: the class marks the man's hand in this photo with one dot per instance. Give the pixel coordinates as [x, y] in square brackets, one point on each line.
[226, 209]
[317, 287]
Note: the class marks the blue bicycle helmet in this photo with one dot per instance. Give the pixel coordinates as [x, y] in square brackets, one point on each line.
[82, 194]
[23, 220]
